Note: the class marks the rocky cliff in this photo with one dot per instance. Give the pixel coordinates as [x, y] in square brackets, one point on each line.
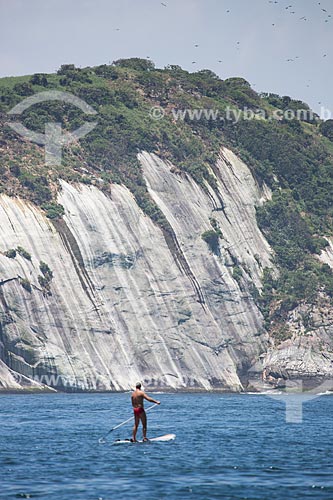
[125, 302]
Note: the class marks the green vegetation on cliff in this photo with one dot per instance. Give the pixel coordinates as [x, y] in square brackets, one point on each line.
[293, 156]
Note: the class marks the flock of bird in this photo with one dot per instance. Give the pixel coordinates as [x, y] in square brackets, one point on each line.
[286, 8]
[303, 18]
[293, 12]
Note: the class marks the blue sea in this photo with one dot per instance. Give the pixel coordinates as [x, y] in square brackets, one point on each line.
[227, 446]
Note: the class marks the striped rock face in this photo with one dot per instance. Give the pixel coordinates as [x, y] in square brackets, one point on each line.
[128, 301]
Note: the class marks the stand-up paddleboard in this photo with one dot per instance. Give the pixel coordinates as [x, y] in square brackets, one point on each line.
[166, 437]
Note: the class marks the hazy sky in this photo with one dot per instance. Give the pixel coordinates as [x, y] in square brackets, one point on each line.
[40, 35]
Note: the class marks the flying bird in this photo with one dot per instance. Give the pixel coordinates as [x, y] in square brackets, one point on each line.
[194, 62]
[324, 10]
[196, 45]
[164, 4]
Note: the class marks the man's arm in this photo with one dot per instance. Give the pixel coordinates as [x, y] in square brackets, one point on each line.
[150, 399]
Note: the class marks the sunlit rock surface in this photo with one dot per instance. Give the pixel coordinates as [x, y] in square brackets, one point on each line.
[129, 302]
[326, 255]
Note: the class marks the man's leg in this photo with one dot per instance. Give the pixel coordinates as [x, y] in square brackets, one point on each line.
[144, 425]
[135, 427]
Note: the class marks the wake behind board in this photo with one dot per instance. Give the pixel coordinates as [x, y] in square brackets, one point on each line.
[166, 437]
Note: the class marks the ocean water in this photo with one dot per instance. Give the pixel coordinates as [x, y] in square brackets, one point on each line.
[227, 446]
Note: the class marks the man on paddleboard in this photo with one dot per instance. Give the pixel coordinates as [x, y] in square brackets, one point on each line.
[139, 413]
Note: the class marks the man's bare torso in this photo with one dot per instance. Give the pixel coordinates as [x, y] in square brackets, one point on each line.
[137, 399]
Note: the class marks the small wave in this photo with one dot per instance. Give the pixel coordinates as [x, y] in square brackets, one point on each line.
[286, 393]
[263, 393]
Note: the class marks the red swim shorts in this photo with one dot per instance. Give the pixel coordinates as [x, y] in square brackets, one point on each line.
[138, 411]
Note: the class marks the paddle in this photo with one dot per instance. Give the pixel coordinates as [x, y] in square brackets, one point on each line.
[102, 439]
